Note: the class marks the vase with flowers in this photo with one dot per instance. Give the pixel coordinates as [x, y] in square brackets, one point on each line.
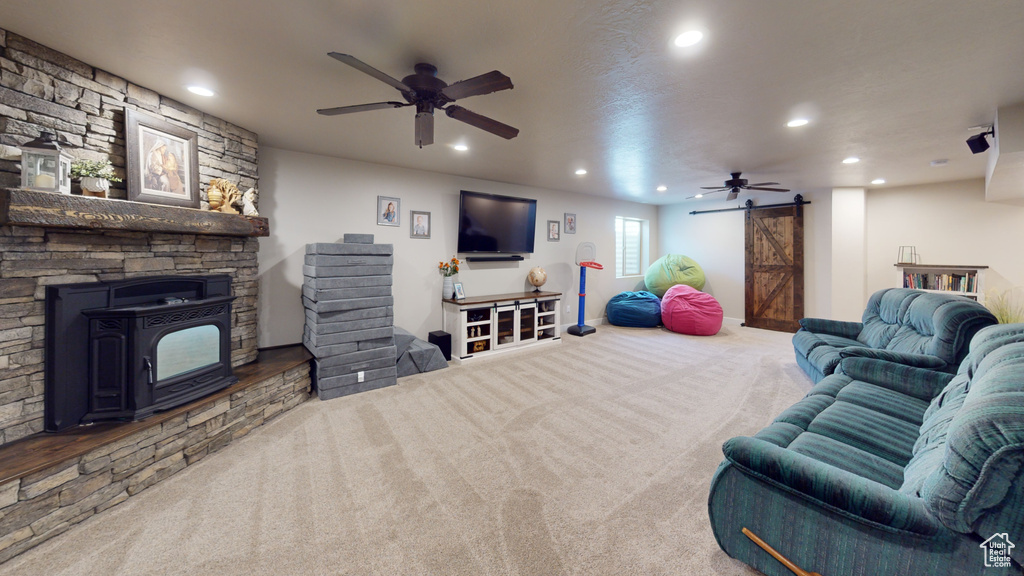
[95, 176]
[448, 269]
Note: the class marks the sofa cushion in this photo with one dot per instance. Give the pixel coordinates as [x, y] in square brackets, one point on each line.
[779, 433]
[805, 341]
[825, 358]
[989, 339]
[846, 457]
[918, 383]
[885, 401]
[984, 450]
[805, 410]
[877, 433]
[952, 320]
[831, 385]
[905, 358]
[883, 315]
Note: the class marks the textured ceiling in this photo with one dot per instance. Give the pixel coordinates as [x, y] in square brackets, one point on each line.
[598, 84]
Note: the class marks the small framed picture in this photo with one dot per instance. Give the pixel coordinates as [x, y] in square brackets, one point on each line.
[419, 224]
[570, 223]
[460, 293]
[388, 211]
[163, 161]
[553, 231]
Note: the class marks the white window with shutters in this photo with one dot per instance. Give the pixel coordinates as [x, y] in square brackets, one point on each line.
[631, 241]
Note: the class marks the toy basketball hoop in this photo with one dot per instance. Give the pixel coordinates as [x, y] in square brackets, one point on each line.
[586, 252]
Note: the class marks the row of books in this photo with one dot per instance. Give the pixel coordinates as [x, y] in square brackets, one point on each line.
[948, 282]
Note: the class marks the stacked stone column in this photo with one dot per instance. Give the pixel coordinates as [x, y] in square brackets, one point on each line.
[349, 315]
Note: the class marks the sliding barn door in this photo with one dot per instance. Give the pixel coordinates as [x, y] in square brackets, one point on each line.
[775, 268]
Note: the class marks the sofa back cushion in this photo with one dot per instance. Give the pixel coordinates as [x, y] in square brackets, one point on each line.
[915, 322]
[970, 453]
[945, 324]
[884, 314]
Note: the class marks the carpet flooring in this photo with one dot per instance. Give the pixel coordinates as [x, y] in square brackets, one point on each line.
[592, 456]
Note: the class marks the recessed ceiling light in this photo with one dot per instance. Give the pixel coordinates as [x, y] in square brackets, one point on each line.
[689, 38]
[877, 181]
[699, 196]
[938, 163]
[662, 188]
[797, 122]
[461, 147]
[200, 90]
[581, 172]
[851, 160]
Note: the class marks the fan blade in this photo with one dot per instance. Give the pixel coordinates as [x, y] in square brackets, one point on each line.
[482, 84]
[768, 189]
[424, 129]
[732, 195]
[367, 69]
[714, 187]
[359, 108]
[482, 122]
[763, 184]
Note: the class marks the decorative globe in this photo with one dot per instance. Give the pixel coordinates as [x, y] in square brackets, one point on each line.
[537, 276]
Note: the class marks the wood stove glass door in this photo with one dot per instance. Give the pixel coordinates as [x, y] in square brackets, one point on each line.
[186, 350]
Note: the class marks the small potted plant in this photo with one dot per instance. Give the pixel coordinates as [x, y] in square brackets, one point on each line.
[448, 269]
[96, 176]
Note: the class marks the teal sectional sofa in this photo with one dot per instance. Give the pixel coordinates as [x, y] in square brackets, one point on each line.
[918, 328]
[884, 468]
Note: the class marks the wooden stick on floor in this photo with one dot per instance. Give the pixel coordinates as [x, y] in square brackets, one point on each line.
[785, 561]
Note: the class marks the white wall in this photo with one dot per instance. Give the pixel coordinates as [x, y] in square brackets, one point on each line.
[949, 223]
[716, 242]
[310, 198]
[849, 288]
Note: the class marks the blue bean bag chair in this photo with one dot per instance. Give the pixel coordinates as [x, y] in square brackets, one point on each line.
[634, 309]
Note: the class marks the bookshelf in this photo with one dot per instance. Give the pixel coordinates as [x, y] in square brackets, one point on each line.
[968, 281]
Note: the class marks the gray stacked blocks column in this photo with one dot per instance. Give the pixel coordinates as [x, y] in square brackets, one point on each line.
[349, 315]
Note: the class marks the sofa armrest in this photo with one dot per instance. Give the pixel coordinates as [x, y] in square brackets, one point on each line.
[915, 360]
[837, 490]
[916, 382]
[834, 327]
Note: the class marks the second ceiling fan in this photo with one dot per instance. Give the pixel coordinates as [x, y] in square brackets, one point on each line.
[424, 90]
[736, 184]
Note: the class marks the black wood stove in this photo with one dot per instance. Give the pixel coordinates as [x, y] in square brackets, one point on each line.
[124, 350]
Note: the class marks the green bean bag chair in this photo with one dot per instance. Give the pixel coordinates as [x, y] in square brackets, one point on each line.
[672, 269]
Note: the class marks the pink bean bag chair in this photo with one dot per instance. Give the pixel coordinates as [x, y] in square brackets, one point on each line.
[686, 310]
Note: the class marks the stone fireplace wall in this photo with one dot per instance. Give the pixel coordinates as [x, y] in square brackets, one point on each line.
[42, 89]
[33, 258]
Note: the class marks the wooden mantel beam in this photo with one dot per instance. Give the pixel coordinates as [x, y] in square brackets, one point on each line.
[28, 208]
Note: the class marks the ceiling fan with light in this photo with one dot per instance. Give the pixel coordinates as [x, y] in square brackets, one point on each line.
[427, 93]
[735, 184]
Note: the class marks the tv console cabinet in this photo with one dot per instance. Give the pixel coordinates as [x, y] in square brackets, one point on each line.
[485, 325]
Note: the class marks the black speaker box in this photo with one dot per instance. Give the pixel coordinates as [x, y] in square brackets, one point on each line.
[442, 340]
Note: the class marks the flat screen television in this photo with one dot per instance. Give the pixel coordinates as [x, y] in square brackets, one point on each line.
[497, 224]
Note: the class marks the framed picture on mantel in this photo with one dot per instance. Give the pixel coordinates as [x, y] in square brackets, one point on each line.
[163, 161]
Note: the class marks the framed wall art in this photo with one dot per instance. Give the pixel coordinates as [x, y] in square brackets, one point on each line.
[389, 211]
[163, 161]
[419, 224]
[553, 231]
[570, 223]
